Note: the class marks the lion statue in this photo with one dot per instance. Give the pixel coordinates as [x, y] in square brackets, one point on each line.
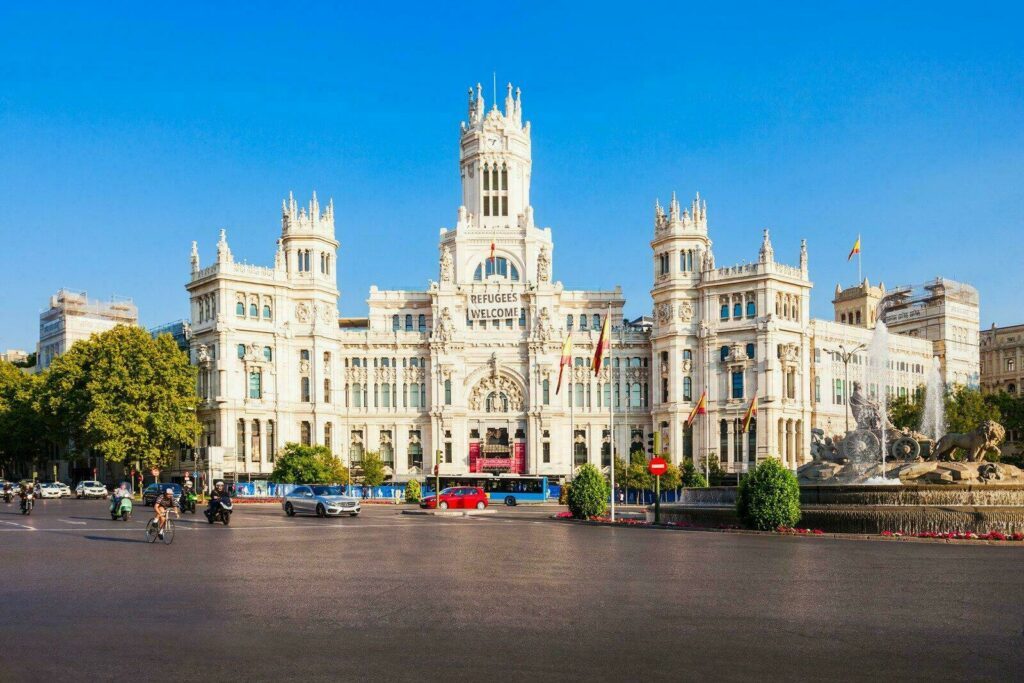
[986, 437]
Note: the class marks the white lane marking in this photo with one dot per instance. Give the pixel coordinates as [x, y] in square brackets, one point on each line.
[24, 527]
[68, 521]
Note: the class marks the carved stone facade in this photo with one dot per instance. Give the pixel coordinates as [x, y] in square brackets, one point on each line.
[466, 369]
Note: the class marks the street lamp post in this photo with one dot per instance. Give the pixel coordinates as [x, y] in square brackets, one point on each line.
[846, 356]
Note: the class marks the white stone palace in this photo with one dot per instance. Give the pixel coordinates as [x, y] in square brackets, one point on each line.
[465, 370]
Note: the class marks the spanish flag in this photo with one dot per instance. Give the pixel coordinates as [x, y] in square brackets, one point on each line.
[604, 343]
[855, 250]
[565, 360]
[751, 414]
[492, 252]
[700, 409]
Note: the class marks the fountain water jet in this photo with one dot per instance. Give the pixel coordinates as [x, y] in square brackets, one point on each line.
[933, 421]
[877, 376]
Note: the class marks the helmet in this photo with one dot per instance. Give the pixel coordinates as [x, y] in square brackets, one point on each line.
[169, 491]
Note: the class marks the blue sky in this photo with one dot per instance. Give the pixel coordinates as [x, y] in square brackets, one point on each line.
[128, 130]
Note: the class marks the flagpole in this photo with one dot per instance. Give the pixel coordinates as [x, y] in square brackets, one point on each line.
[707, 442]
[611, 410]
[860, 276]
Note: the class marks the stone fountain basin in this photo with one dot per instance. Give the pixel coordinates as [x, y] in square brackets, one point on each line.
[873, 509]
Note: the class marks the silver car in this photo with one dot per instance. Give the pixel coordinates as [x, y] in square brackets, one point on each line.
[320, 500]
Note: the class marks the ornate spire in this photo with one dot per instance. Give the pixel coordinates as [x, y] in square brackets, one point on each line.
[767, 253]
[803, 256]
[223, 251]
[195, 257]
[279, 258]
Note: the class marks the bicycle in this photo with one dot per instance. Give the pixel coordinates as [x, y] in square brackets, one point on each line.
[153, 529]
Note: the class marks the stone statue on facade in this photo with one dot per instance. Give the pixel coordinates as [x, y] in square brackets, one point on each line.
[543, 265]
[202, 354]
[686, 311]
[446, 326]
[447, 266]
[544, 327]
[195, 257]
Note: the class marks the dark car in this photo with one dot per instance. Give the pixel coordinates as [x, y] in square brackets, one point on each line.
[154, 491]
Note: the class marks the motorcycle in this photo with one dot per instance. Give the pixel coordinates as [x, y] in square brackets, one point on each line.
[221, 513]
[120, 508]
[188, 502]
[8, 496]
[27, 504]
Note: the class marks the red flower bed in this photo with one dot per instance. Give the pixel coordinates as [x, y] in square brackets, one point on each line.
[961, 535]
[799, 531]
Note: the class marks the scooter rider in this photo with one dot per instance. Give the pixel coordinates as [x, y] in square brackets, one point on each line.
[8, 492]
[121, 492]
[219, 493]
[27, 493]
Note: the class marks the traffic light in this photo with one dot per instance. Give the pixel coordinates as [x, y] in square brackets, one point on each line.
[657, 444]
[650, 445]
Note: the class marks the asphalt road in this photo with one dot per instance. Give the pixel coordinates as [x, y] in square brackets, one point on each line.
[509, 596]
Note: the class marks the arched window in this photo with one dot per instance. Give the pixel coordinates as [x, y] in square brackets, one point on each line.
[396, 323]
[583, 322]
[751, 309]
[447, 392]
[268, 354]
[385, 395]
[408, 322]
[253, 311]
[357, 395]
[687, 389]
[240, 309]
[497, 402]
[240, 441]
[241, 350]
[737, 310]
[422, 322]
[305, 433]
[304, 389]
[546, 392]
[725, 312]
[254, 440]
[737, 384]
[329, 436]
[414, 395]
[634, 395]
[266, 313]
[568, 322]
[750, 350]
[687, 354]
[723, 353]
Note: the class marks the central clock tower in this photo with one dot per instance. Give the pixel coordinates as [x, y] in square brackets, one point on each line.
[494, 161]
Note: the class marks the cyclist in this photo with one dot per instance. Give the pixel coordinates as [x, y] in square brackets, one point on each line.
[162, 505]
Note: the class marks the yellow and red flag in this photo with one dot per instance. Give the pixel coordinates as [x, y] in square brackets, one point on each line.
[564, 361]
[855, 250]
[491, 257]
[604, 343]
[700, 409]
[751, 414]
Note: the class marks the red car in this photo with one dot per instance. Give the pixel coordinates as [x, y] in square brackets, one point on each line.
[458, 497]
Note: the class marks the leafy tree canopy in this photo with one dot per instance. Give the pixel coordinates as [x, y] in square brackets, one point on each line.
[373, 469]
[966, 408]
[22, 432]
[124, 395]
[298, 464]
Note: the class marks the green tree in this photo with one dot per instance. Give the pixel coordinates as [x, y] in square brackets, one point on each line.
[691, 478]
[124, 396]
[22, 431]
[966, 408]
[713, 467]
[373, 469]
[589, 493]
[299, 464]
[1011, 412]
[769, 497]
[905, 412]
[412, 491]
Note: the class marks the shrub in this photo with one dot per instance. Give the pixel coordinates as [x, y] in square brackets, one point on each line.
[692, 478]
[589, 493]
[298, 464]
[412, 491]
[769, 497]
[714, 469]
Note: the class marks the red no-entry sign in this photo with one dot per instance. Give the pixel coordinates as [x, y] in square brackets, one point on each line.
[657, 466]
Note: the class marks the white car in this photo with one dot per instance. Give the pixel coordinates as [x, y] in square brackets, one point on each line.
[90, 489]
[49, 490]
[65, 490]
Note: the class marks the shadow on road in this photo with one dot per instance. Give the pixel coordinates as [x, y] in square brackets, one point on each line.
[113, 539]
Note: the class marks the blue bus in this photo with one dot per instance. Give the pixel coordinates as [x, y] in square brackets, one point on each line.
[510, 490]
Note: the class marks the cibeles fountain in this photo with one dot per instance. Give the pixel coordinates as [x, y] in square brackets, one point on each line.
[876, 477]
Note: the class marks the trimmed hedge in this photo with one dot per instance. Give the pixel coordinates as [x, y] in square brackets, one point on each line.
[589, 493]
[769, 497]
[412, 491]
